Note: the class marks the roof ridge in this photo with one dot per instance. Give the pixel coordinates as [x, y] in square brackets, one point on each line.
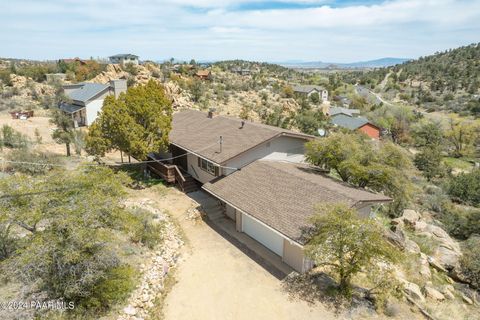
[313, 169]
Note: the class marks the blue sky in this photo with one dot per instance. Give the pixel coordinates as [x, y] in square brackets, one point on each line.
[308, 30]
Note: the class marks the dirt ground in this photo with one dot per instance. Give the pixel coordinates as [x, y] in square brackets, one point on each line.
[41, 123]
[216, 280]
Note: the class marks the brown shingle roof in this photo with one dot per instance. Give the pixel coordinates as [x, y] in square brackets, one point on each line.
[194, 131]
[203, 73]
[283, 195]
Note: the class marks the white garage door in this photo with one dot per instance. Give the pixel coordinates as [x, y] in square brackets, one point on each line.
[262, 234]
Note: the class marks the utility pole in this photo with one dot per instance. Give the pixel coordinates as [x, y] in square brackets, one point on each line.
[221, 143]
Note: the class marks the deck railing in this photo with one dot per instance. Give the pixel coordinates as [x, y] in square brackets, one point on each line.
[166, 171]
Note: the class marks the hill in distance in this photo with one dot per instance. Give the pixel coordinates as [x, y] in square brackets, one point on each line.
[377, 63]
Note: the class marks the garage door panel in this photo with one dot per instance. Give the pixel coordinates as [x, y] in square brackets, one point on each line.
[263, 234]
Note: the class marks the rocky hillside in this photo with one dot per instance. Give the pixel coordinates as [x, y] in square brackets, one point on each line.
[448, 80]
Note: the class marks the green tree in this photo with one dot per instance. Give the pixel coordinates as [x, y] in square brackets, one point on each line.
[136, 123]
[429, 161]
[470, 261]
[346, 244]
[461, 136]
[287, 92]
[65, 131]
[428, 136]
[309, 121]
[315, 97]
[71, 255]
[465, 188]
[356, 161]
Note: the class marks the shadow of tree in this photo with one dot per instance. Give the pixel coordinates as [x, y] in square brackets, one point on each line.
[317, 287]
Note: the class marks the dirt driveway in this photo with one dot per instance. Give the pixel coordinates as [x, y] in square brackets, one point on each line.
[216, 280]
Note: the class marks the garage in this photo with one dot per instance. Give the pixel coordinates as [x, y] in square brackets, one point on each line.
[263, 234]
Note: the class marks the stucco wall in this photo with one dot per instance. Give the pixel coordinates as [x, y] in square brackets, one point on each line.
[365, 211]
[293, 255]
[93, 109]
[230, 211]
[197, 172]
[282, 148]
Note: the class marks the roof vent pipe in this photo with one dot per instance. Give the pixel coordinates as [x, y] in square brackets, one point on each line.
[211, 113]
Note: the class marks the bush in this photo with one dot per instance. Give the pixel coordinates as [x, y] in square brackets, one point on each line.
[144, 229]
[465, 188]
[470, 261]
[45, 162]
[459, 222]
[12, 139]
[116, 286]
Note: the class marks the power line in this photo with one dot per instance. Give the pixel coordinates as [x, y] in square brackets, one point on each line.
[131, 163]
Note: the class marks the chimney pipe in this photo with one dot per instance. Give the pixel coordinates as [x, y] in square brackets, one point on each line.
[211, 113]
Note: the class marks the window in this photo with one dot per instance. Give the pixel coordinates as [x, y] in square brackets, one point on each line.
[208, 166]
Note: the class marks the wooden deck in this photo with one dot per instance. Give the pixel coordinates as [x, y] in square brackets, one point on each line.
[172, 174]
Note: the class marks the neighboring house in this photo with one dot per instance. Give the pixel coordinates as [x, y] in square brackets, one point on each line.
[344, 101]
[272, 201]
[242, 72]
[258, 175]
[74, 60]
[87, 99]
[204, 74]
[308, 90]
[55, 77]
[356, 123]
[124, 59]
[333, 111]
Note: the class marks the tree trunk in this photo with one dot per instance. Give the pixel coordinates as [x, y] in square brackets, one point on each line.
[129, 160]
[68, 149]
[344, 286]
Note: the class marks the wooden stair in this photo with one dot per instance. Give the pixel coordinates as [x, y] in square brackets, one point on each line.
[190, 184]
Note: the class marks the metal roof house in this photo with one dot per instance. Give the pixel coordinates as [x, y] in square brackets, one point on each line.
[124, 58]
[87, 99]
[356, 123]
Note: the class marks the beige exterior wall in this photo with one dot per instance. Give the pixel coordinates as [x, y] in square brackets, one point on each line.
[365, 211]
[197, 172]
[238, 221]
[293, 255]
[282, 148]
[230, 212]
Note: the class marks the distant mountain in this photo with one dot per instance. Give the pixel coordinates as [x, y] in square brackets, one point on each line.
[377, 63]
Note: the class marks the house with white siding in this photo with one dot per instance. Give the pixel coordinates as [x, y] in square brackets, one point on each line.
[86, 99]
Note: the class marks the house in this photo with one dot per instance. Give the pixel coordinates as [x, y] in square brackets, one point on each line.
[356, 123]
[241, 71]
[272, 201]
[333, 111]
[55, 77]
[124, 59]
[258, 175]
[343, 101]
[74, 60]
[217, 145]
[204, 74]
[87, 99]
[308, 90]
